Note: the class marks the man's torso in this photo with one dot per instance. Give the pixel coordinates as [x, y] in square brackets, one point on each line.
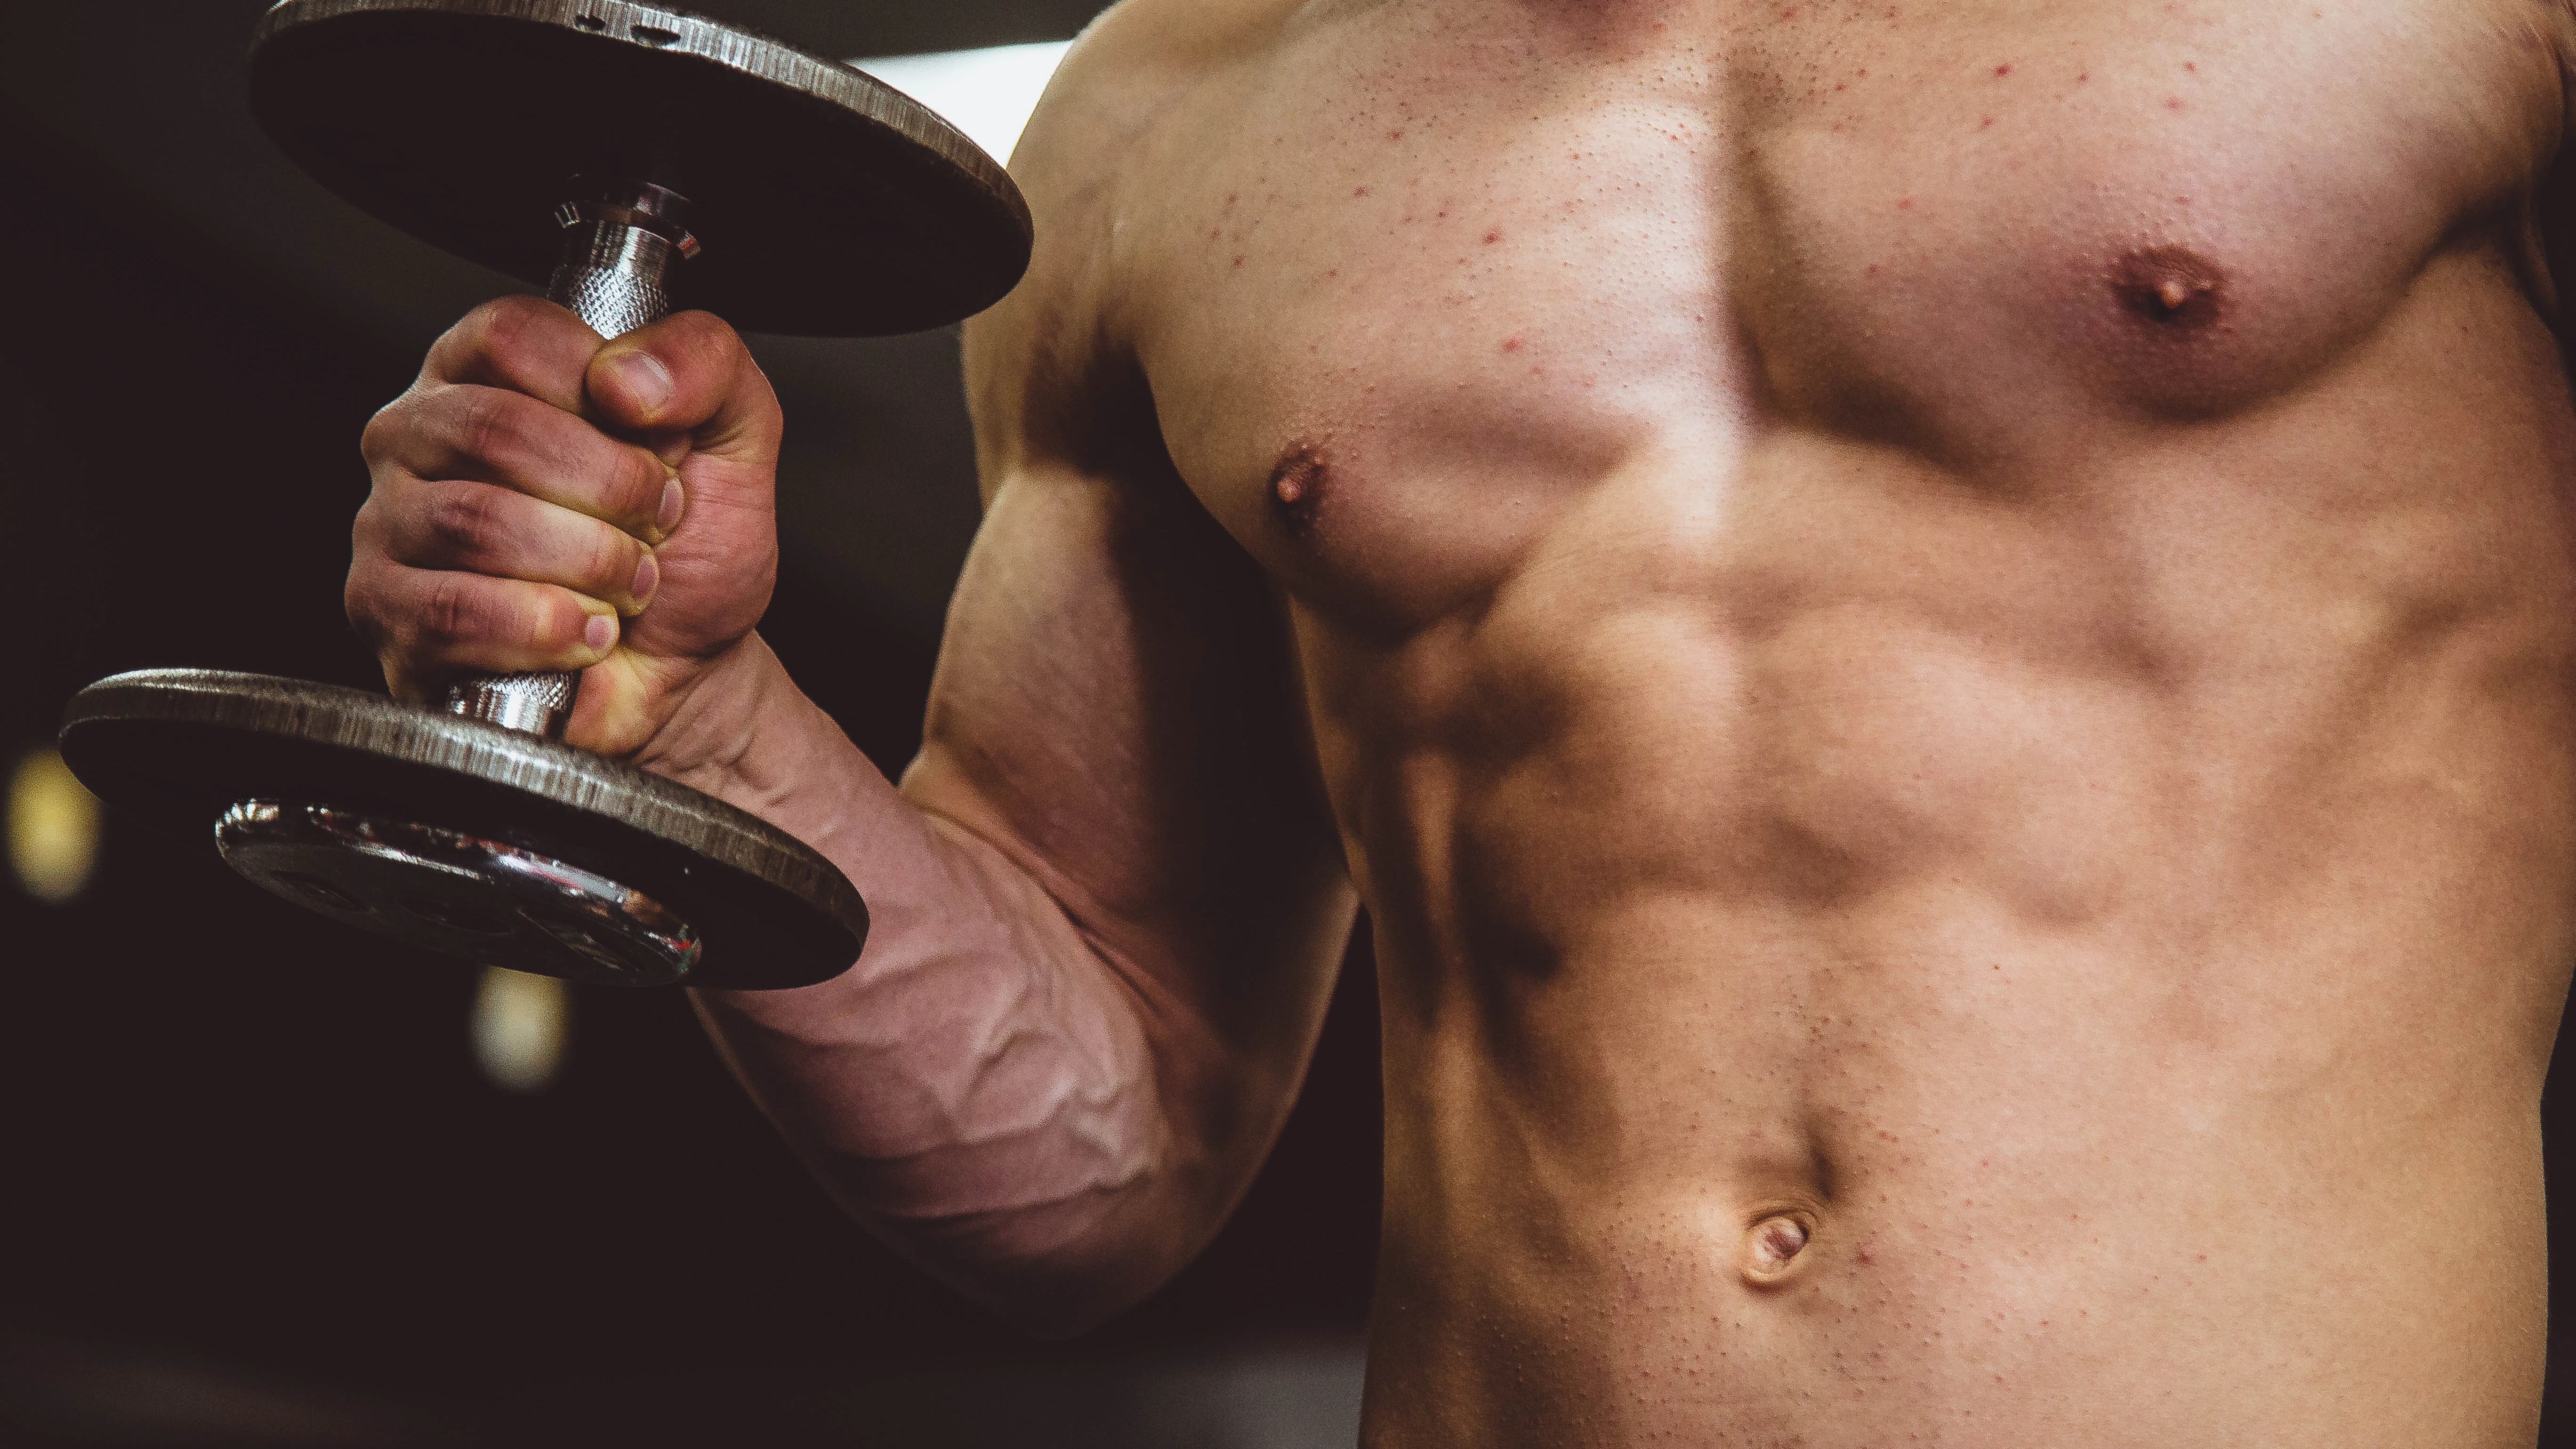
[1948, 622]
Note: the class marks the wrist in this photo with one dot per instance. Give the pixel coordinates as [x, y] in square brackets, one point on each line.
[723, 734]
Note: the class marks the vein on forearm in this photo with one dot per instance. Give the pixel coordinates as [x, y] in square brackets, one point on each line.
[984, 1057]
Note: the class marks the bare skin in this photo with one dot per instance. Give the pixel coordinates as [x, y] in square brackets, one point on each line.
[1938, 635]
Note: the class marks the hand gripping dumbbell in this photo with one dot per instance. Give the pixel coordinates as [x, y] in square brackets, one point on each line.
[623, 157]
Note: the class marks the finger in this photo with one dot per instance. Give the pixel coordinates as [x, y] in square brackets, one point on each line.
[430, 626]
[483, 529]
[492, 435]
[688, 373]
[525, 344]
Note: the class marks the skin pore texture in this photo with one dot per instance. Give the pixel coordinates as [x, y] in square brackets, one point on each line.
[1938, 636]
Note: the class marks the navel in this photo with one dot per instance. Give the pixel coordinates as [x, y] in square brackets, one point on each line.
[2171, 286]
[1771, 1248]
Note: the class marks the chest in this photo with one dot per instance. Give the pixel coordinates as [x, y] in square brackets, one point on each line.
[1420, 285]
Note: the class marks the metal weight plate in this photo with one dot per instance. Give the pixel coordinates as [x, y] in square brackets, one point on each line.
[828, 203]
[643, 880]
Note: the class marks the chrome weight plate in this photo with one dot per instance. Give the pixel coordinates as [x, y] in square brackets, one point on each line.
[183, 748]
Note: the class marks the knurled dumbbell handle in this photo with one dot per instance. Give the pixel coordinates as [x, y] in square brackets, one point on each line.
[611, 276]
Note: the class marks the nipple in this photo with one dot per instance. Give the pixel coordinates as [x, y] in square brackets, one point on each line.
[1297, 487]
[2173, 286]
[1771, 1246]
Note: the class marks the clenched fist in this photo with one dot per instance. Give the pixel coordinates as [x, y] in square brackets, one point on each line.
[543, 500]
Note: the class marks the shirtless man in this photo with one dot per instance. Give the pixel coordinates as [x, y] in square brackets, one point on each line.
[1938, 635]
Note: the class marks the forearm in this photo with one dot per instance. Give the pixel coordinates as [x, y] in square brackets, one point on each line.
[984, 1088]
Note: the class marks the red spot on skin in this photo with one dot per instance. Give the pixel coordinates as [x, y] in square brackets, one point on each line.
[1905, 203]
[1873, 270]
[1395, 135]
[2173, 103]
[1494, 236]
[2003, 70]
[1865, 1254]
[1214, 232]
[1335, 272]
[2086, 76]
[1988, 121]
[1512, 343]
[1359, 191]
[1238, 259]
[2192, 65]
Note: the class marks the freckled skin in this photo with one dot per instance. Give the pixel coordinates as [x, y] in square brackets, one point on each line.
[1956, 736]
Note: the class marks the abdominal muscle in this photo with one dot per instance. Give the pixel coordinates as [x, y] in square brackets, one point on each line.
[2005, 975]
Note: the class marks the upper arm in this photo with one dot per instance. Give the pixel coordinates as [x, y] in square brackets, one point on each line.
[1116, 707]
[2554, 208]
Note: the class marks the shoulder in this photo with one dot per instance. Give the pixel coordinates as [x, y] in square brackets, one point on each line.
[1131, 62]
[1111, 106]
[1092, 152]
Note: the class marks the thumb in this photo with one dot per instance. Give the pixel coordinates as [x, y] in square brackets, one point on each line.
[688, 374]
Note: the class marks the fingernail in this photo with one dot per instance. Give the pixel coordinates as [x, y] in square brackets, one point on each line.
[673, 498]
[600, 632]
[648, 575]
[643, 375]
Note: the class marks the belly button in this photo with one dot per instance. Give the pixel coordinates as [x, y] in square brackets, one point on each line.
[1771, 1248]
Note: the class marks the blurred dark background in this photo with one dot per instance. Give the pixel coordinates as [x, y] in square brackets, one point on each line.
[254, 1187]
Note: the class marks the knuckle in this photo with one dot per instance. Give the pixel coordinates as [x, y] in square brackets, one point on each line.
[635, 486]
[715, 342]
[358, 600]
[383, 434]
[505, 329]
[610, 569]
[704, 353]
[373, 545]
[367, 531]
[461, 523]
[490, 427]
[454, 612]
[699, 339]
[554, 621]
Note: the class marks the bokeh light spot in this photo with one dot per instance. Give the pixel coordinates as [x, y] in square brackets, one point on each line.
[53, 828]
[519, 1026]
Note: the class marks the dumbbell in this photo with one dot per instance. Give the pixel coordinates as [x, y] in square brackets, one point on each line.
[625, 158]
